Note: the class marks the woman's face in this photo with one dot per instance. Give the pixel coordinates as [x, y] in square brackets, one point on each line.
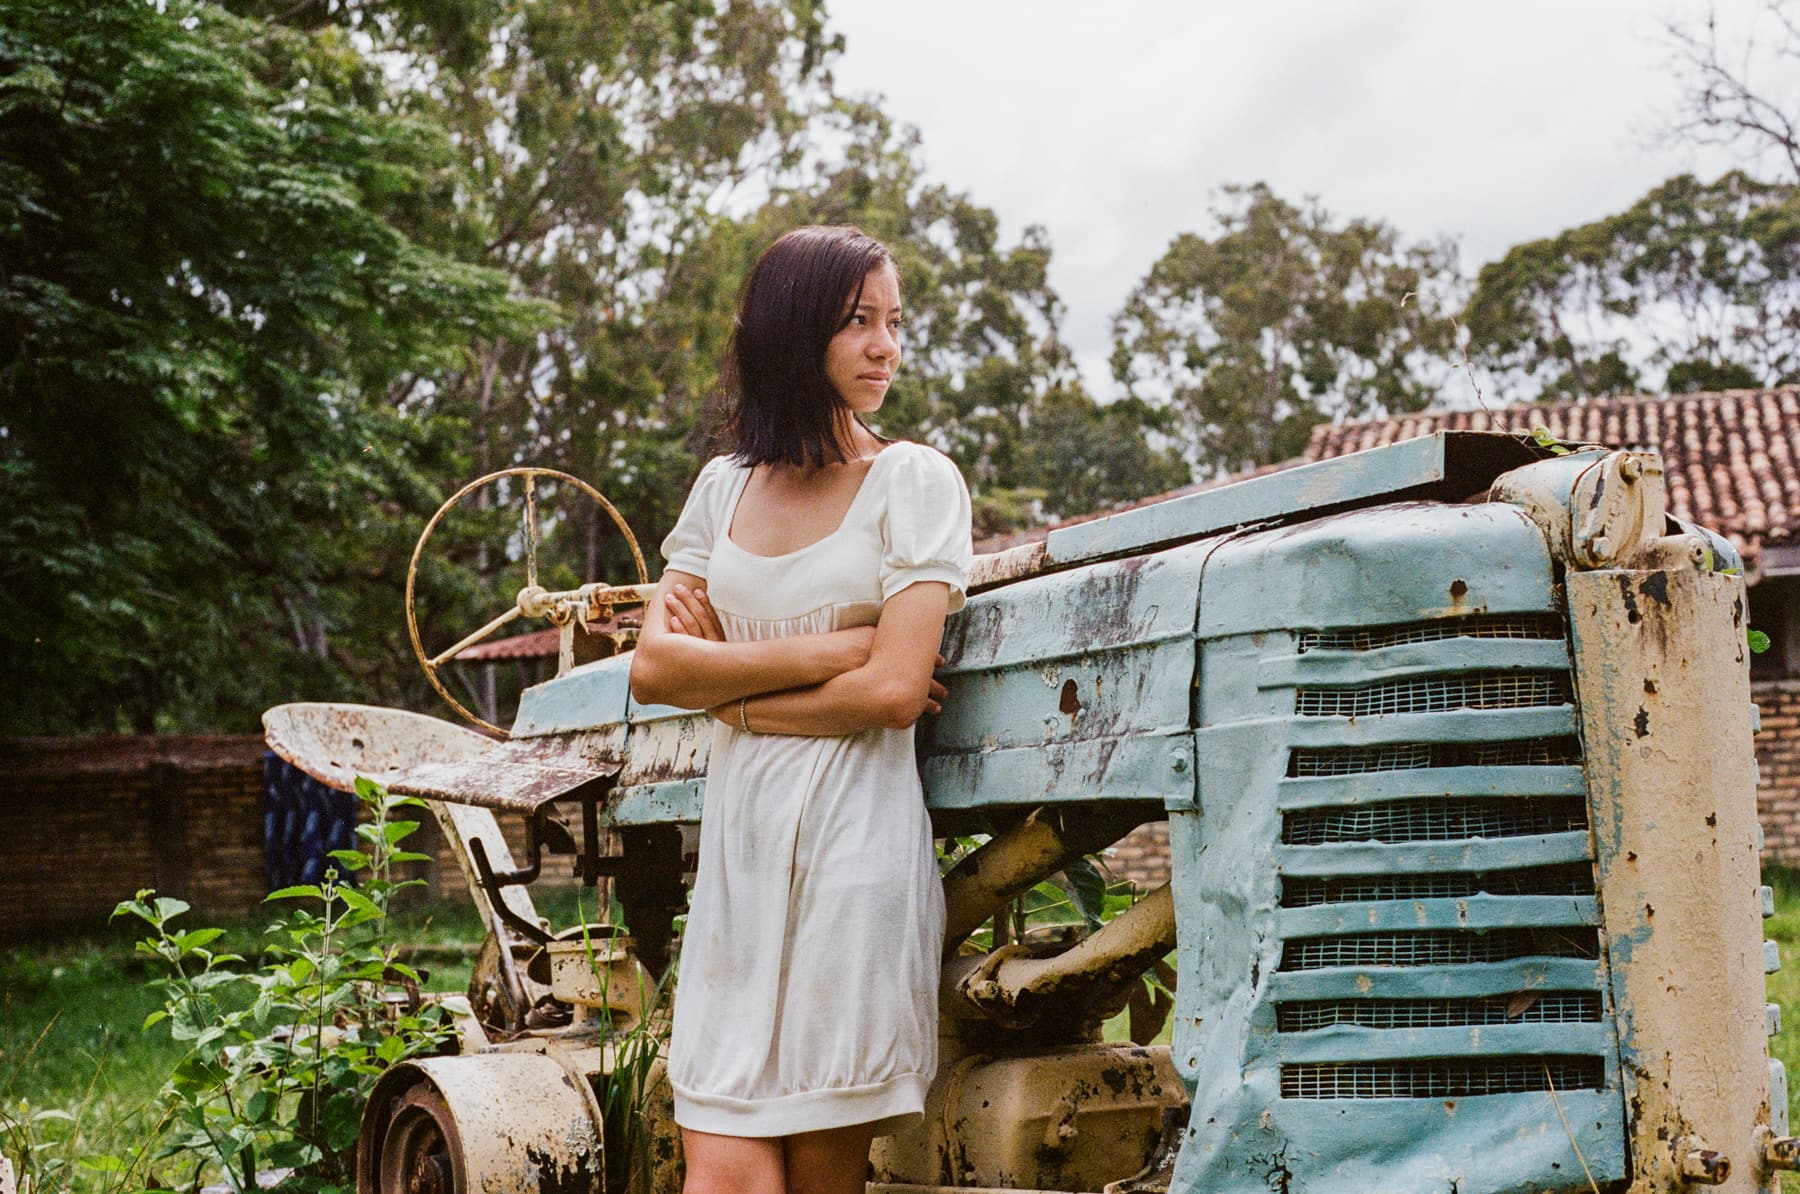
[861, 360]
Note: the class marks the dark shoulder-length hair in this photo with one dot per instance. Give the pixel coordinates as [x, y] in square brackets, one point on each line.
[779, 406]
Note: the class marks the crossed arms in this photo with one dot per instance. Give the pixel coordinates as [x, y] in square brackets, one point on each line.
[841, 682]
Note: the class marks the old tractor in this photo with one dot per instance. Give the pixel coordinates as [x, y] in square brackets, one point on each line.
[1453, 741]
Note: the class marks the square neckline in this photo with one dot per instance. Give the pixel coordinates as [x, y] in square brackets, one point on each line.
[844, 521]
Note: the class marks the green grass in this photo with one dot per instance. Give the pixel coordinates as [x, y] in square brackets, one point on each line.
[71, 1042]
[1784, 989]
[70, 1014]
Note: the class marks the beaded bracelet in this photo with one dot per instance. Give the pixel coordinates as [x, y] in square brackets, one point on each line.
[743, 722]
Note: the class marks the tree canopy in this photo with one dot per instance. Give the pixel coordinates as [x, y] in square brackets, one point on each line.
[279, 276]
[204, 307]
[1695, 286]
[1283, 318]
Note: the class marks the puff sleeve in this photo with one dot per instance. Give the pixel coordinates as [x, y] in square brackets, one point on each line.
[688, 547]
[925, 528]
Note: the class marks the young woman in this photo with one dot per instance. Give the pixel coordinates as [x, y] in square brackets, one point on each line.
[809, 577]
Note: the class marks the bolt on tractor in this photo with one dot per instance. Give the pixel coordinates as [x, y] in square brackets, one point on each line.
[1453, 743]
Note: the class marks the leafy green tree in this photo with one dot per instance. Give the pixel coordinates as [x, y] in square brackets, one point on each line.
[1695, 286]
[203, 309]
[1284, 317]
[598, 143]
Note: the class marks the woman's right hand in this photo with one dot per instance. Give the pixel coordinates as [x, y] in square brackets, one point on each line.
[690, 611]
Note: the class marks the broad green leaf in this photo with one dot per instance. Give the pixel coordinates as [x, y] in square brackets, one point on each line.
[195, 938]
[300, 891]
[353, 860]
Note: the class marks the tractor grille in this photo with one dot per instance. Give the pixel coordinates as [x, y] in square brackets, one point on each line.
[1364, 819]
[1448, 947]
[1307, 891]
[1373, 638]
[1441, 1078]
[1416, 756]
[1526, 1007]
[1434, 819]
[1438, 694]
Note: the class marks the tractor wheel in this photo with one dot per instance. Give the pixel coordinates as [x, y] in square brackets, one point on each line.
[420, 1153]
[452, 1125]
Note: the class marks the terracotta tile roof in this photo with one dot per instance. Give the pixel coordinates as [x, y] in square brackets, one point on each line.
[1731, 460]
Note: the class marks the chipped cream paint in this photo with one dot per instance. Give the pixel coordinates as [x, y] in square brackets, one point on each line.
[514, 1121]
[1664, 693]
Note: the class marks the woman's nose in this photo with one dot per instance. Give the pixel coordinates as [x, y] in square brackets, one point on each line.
[884, 343]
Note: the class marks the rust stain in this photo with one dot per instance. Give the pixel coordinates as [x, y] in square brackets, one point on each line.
[1071, 700]
[518, 775]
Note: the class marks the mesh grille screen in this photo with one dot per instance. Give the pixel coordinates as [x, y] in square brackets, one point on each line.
[1437, 694]
[1452, 947]
[1370, 638]
[1307, 891]
[1552, 1007]
[1440, 1078]
[1435, 819]
[1415, 756]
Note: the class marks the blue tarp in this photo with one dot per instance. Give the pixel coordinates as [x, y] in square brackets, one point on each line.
[303, 821]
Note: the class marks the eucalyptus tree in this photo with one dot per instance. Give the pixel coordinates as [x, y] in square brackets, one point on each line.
[1283, 317]
[1695, 286]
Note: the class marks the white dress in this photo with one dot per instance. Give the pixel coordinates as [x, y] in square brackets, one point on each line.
[807, 995]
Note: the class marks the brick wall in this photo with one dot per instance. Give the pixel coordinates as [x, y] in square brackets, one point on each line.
[80, 834]
[1142, 856]
[1778, 762]
[88, 822]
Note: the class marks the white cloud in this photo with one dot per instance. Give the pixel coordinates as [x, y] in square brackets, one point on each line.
[1493, 124]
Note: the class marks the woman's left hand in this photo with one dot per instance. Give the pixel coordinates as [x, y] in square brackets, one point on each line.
[690, 611]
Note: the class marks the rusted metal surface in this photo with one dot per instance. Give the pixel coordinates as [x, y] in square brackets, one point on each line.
[1043, 843]
[1072, 687]
[1314, 935]
[1702, 1166]
[664, 779]
[1781, 1152]
[1015, 988]
[1071, 1118]
[494, 1122]
[1665, 698]
[520, 775]
[1447, 466]
[596, 969]
[1001, 567]
[1158, 1174]
[334, 743]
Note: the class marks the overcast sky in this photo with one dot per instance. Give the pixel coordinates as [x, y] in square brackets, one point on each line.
[1113, 124]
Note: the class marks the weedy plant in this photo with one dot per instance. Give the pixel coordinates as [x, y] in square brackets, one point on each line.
[53, 1145]
[282, 1054]
[636, 1071]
